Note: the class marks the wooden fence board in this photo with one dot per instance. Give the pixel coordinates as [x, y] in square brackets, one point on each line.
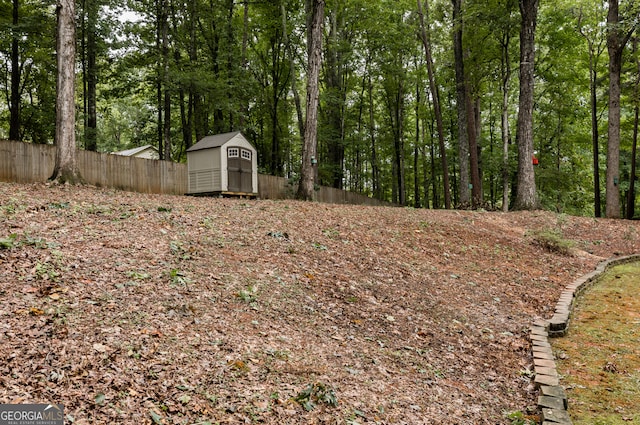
[29, 163]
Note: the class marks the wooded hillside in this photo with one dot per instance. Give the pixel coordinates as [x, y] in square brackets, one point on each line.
[419, 101]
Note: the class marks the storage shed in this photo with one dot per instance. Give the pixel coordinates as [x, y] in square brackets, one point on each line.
[224, 164]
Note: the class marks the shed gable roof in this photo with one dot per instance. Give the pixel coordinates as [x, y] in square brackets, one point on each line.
[216, 141]
[135, 151]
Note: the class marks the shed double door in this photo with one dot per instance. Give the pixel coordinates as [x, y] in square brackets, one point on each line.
[239, 170]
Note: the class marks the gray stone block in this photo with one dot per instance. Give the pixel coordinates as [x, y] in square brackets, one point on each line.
[544, 362]
[559, 416]
[540, 380]
[541, 353]
[549, 402]
[551, 371]
[537, 343]
[558, 322]
[555, 391]
[538, 330]
[542, 323]
[557, 334]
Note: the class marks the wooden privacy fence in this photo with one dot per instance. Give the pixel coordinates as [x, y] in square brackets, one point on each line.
[29, 163]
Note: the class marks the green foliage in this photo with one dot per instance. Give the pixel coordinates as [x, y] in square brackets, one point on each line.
[9, 242]
[248, 295]
[12, 241]
[319, 246]
[519, 418]
[178, 278]
[46, 271]
[178, 249]
[314, 394]
[138, 275]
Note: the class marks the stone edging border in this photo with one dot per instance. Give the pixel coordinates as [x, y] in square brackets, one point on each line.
[552, 400]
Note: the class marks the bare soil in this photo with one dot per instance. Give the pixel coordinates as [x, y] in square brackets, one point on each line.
[131, 309]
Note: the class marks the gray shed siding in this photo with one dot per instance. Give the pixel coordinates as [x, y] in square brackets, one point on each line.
[204, 168]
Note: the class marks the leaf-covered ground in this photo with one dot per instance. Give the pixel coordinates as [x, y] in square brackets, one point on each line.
[133, 309]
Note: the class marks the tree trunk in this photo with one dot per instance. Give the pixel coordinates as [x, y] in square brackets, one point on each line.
[397, 123]
[292, 71]
[616, 41]
[436, 106]
[526, 196]
[416, 152]
[432, 156]
[66, 169]
[244, 61]
[474, 154]
[375, 168]
[91, 140]
[631, 199]
[595, 136]
[16, 68]
[594, 54]
[335, 100]
[159, 79]
[164, 35]
[310, 145]
[186, 120]
[461, 103]
[504, 124]
[196, 114]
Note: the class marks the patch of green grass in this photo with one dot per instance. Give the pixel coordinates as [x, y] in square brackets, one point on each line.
[600, 356]
[552, 241]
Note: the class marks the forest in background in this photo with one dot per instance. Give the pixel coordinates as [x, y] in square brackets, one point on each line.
[167, 73]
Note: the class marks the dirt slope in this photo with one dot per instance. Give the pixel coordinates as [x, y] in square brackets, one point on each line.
[133, 309]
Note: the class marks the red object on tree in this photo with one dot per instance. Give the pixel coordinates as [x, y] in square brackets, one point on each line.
[535, 160]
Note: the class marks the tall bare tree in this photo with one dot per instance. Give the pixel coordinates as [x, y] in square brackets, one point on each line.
[617, 38]
[596, 47]
[435, 93]
[66, 168]
[631, 195]
[505, 71]
[315, 13]
[461, 103]
[89, 54]
[16, 71]
[526, 196]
